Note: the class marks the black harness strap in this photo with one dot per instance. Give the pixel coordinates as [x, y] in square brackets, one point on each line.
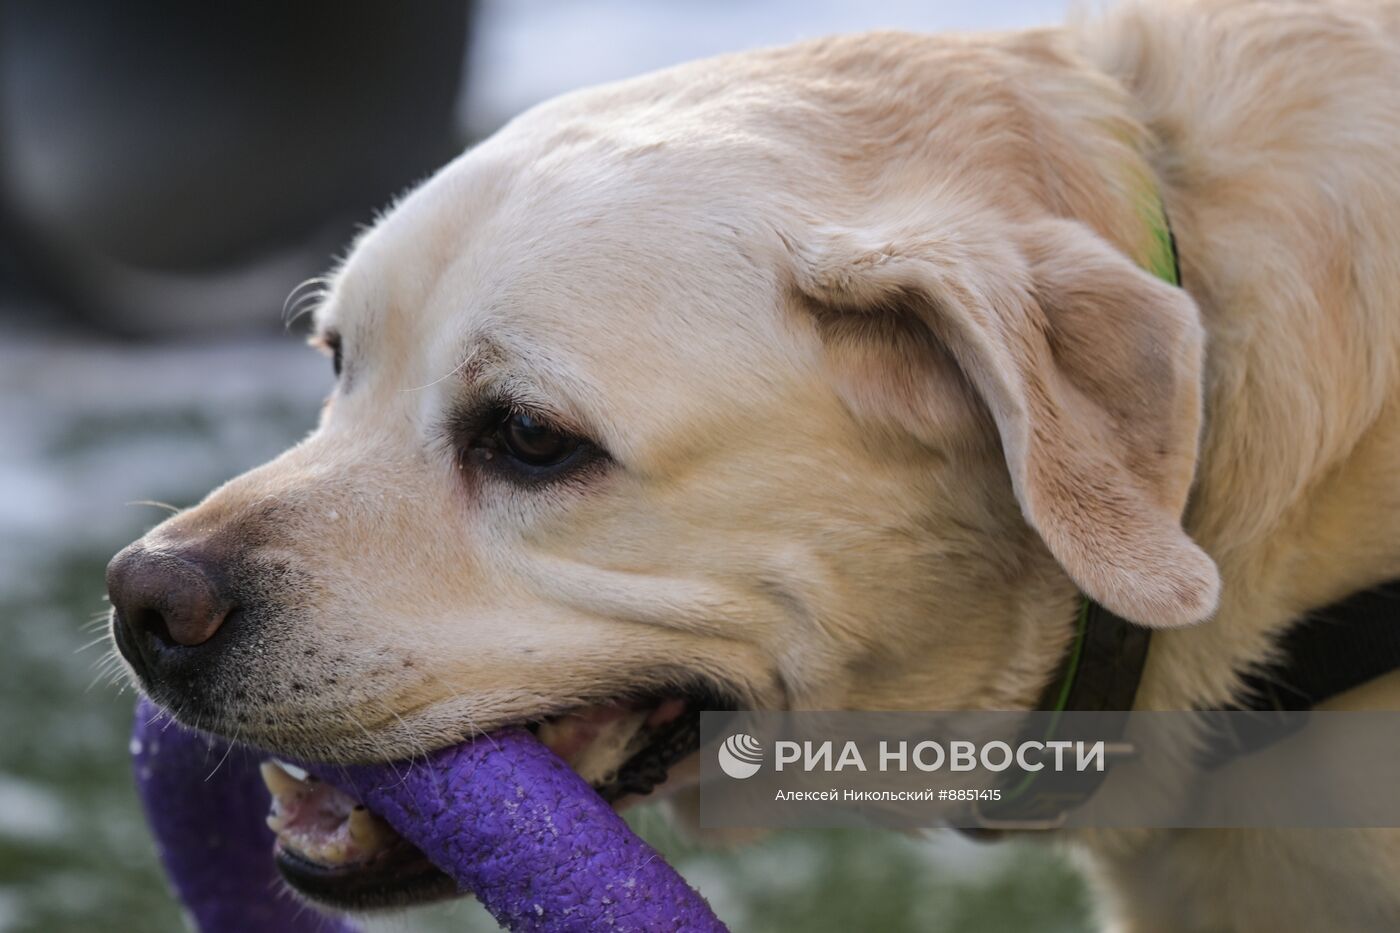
[1326, 653]
[1329, 652]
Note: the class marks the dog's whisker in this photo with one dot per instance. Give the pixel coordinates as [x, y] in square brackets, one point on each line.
[227, 751]
[315, 288]
[98, 622]
[89, 645]
[154, 503]
[456, 370]
[304, 307]
[105, 671]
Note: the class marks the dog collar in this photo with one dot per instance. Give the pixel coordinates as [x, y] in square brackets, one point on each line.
[1103, 665]
[1099, 673]
[1101, 670]
[1162, 259]
[1326, 653]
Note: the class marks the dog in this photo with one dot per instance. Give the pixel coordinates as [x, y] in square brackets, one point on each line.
[833, 376]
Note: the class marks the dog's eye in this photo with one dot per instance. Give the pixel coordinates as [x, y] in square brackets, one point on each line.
[329, 342]
[523, 447]
[337, 358]
[534, 443]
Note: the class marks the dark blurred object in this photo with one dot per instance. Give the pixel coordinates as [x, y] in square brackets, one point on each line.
[175, 167]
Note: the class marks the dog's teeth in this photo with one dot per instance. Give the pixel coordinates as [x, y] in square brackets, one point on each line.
[332, 853]
[279, 782]
[368, 831]
[298, 773]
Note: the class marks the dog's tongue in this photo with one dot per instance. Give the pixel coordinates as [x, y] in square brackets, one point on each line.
[503, 815]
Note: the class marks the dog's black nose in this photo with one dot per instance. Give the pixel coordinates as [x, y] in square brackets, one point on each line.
[164, 601]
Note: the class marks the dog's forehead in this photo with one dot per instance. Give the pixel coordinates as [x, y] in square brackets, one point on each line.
[631, 286]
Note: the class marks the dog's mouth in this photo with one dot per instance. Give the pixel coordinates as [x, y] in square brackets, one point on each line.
[333, 850]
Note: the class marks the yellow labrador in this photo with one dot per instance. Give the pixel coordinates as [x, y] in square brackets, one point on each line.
[830, 376]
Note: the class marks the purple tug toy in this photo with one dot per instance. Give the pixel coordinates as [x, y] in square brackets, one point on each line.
[503, 816]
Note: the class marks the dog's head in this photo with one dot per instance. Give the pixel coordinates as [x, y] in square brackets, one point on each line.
[746, 383]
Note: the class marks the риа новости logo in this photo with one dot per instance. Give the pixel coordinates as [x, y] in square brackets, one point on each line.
[740, 756]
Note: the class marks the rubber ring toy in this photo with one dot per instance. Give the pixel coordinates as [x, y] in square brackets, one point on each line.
[502, 815]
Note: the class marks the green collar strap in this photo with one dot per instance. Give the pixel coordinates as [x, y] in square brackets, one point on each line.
[1103, 665]
[1096, 627]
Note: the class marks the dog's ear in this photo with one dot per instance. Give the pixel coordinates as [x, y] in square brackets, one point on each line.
[1089, 366]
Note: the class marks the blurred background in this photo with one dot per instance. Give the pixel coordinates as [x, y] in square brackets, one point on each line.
[169, 173]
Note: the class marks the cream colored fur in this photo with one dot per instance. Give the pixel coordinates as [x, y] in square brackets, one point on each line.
[863, 326]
